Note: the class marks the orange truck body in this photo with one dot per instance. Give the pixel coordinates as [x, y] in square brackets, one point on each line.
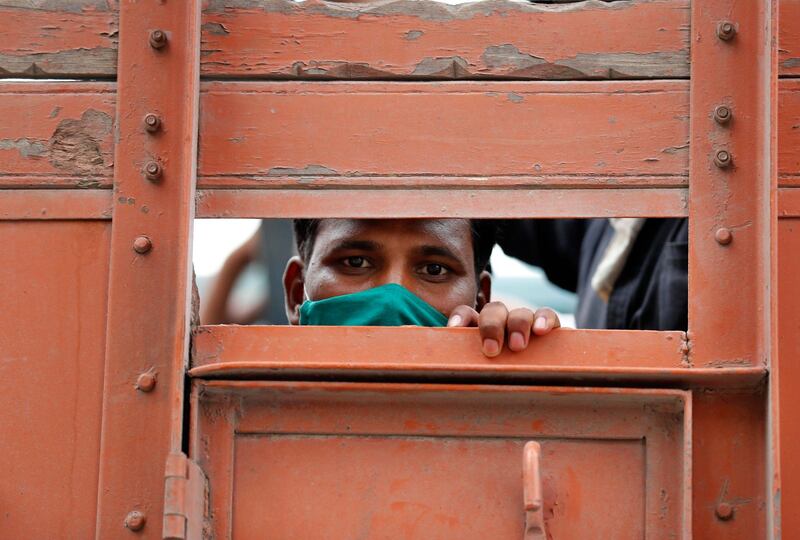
[126, 418]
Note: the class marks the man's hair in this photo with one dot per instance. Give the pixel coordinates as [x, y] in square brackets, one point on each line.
[484, 233]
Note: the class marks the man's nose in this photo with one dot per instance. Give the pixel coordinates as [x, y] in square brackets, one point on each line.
[396, 274]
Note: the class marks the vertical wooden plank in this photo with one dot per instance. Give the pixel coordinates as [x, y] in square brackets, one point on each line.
[732, 210]
[789, 320]
[149, 290]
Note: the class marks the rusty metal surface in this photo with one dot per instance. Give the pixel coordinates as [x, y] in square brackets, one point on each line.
[150, 289]
[54, 279]
[440, 461]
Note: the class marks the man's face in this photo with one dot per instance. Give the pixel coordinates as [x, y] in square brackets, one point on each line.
[432, 258]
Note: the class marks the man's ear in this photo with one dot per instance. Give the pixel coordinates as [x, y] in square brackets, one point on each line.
[484, 291]
[293, 287]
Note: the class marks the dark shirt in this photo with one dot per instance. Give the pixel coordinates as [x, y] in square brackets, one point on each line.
[651, 293]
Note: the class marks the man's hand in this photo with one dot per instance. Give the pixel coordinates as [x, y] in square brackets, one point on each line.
[496, 323]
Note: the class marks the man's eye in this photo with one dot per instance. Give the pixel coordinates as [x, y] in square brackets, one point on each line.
[356, 262]
[434, 269]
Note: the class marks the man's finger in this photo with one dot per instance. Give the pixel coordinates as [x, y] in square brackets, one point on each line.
[545, 319]
[492, 324]
[519, 326]
[463, 316]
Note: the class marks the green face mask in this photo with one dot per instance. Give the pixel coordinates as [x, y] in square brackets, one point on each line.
[387, 305]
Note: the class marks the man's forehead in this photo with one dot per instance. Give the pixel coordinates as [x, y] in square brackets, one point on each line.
[453, 233]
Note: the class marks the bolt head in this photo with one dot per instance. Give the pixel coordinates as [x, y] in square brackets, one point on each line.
[152, 122]
[142, 245]
[724, 511]
[722, 114]
[135, 520]
[146, 382]
[723, 159]
[726, 30]
[153, 171]
[158, 39]
[723, 236]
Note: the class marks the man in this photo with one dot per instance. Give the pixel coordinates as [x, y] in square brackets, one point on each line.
[404, 271]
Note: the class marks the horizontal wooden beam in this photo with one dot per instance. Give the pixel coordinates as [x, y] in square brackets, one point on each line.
[451, 128]
[430, 39]
[60, 135]
[351, 352]
[37, 204]
[789, 38]
[384, 39]
[443, 203]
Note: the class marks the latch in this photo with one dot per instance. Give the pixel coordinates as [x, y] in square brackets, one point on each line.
[532, 492]
[185, 500]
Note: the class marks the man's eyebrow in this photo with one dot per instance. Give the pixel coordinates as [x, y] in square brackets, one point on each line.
[361, 245]
[440, 251]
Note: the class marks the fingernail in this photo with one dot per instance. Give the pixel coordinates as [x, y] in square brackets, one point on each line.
[516, 341]
[540, 324]
[455, 320]
[491, 347]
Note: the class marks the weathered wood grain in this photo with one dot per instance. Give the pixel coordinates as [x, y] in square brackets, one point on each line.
[56, 134]
[383, 39]
[454, 128]
[789, 132]
[428, 39]
[58, 38]
[789, 38]
[61, 135]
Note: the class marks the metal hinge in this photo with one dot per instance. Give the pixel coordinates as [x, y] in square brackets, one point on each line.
[185, 506]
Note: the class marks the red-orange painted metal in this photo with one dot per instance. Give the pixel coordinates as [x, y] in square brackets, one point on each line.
[441, 461]
[98, 255]
[150, 290]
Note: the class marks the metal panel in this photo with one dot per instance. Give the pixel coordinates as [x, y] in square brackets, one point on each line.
[735, 198]
[149, 291]
[789, 332]
[53, 286]
[412, 461]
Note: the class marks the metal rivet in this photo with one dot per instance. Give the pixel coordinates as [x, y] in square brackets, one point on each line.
[152, 122]
[135, 520]
[153, 171]
[146, 382]
[142, 244]
[723, 236]
[726, 30]
[724, 511]
[723, 159]
[722, 114]
[158, 39]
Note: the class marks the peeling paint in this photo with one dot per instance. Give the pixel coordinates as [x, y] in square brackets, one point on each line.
[56, 110]
[515, 98]
[27, 148]
[453, 66]
[509, 56]
[675, 149]
[75, 144]
[413, 35]
[216, 28]
[318, 170]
